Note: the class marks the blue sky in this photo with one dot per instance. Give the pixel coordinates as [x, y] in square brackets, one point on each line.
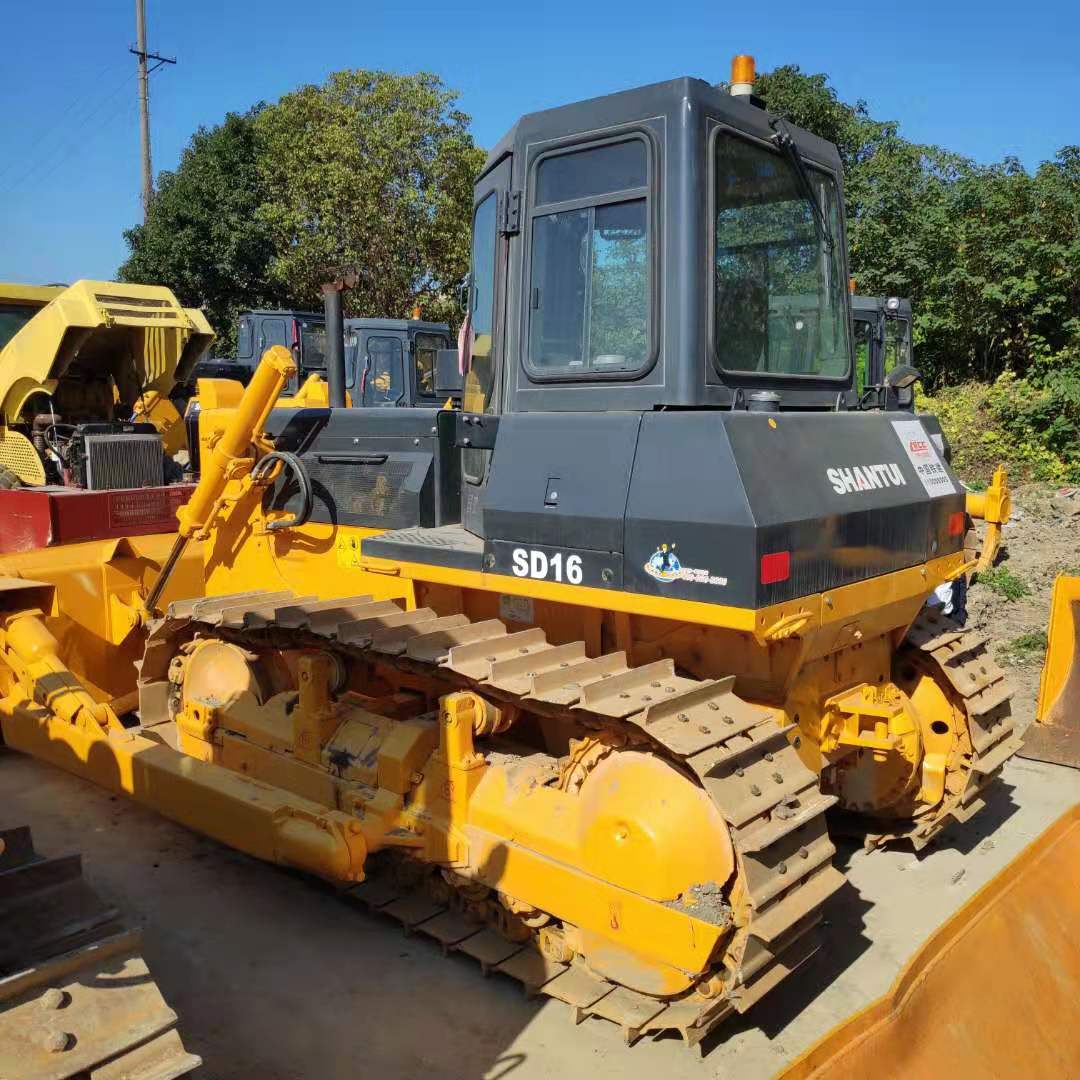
[986, 79]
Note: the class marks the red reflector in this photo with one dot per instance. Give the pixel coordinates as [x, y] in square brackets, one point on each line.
[775, 567]
[957, 523]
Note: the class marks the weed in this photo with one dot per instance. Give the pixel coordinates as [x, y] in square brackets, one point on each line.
[1004, 582]
[1027, 648]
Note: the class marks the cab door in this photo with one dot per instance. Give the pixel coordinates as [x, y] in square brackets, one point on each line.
[273, 331]
[485, 375]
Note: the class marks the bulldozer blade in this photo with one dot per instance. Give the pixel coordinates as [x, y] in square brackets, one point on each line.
[1055, 735]
[76, 997]
[1016, 935]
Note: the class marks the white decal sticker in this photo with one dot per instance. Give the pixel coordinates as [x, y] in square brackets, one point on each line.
[664, 565]
[516, 609]
[865, 478]
[538, 564]
[923, 455]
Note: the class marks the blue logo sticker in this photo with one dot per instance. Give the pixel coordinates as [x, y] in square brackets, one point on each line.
[664, 564]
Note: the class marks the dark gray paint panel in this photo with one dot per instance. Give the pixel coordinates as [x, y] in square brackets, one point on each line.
[687, 491]
[370, 467]
[835, 539]
[561, 479]
[598, 569]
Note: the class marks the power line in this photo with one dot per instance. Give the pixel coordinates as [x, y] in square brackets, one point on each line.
[50, 163]
[123, 110]
[75, 105]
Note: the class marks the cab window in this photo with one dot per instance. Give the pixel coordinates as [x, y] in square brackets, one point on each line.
[425, 346]
[13, 317]
[480, 378]
[589, 297]
[780, 304]
[273, 333]
[245, 339]
[384, 375]
[897, 344]
[864, 339]
[313, 346]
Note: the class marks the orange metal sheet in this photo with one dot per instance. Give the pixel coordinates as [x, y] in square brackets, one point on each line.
[995, 992]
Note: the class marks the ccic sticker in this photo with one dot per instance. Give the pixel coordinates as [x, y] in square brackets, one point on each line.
[923, 455]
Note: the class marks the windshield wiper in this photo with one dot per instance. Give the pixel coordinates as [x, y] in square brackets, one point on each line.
[788, 146]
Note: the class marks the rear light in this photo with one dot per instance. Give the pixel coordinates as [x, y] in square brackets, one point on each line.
[775, 567]
[957, 523]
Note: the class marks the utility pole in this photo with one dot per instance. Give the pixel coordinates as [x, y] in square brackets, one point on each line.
[144, 101]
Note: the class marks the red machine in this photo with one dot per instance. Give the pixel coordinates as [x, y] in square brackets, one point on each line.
[46, 516]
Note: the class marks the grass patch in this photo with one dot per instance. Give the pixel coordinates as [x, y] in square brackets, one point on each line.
[1004, 582]
[1024, 649]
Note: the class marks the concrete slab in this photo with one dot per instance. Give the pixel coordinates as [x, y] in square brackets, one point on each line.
[275, 977]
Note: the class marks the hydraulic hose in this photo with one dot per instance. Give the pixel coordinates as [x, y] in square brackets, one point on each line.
[275, 368]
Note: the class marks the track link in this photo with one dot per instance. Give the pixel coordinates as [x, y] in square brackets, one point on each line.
[740, 754]
[959, 659]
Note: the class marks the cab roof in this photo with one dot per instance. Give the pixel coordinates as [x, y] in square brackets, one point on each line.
[676, 99]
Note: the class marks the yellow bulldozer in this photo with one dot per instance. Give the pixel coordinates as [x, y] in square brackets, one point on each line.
[95, 352]
[569, 680]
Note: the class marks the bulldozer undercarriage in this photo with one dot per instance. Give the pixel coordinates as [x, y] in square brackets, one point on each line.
[578, 851]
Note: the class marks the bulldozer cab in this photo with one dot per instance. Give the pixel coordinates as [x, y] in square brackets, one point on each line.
[586, 292]
[881, 327]
[617, 399]
[390, 363]
[588, 244]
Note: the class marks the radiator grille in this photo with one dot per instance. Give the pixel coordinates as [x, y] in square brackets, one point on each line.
[124, 461]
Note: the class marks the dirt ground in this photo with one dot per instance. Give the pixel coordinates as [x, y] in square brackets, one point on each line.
[1041, 541]
[275, 977]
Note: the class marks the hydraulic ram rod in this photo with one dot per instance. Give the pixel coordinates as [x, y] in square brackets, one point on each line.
[228, 457]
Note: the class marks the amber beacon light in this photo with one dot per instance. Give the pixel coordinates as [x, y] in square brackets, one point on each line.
[742, 76]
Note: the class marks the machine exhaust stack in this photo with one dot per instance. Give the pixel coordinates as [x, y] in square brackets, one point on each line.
[335, 342]
[742, 76]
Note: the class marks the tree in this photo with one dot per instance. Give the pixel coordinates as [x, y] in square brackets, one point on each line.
[372, 171]
[989, 255]
[204, 237]
[808, 101]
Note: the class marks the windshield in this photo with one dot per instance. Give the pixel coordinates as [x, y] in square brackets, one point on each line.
[780, 300]
[13, 317]
[383, 379]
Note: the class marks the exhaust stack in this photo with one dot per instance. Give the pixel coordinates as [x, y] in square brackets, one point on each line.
[742, 76]
[335, 343]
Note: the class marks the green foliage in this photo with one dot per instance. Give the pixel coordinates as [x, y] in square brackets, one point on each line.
[1031, 427]
[1004, 582]
[1027, 648]
[203, 237]
[989, 255]
[371, 171]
